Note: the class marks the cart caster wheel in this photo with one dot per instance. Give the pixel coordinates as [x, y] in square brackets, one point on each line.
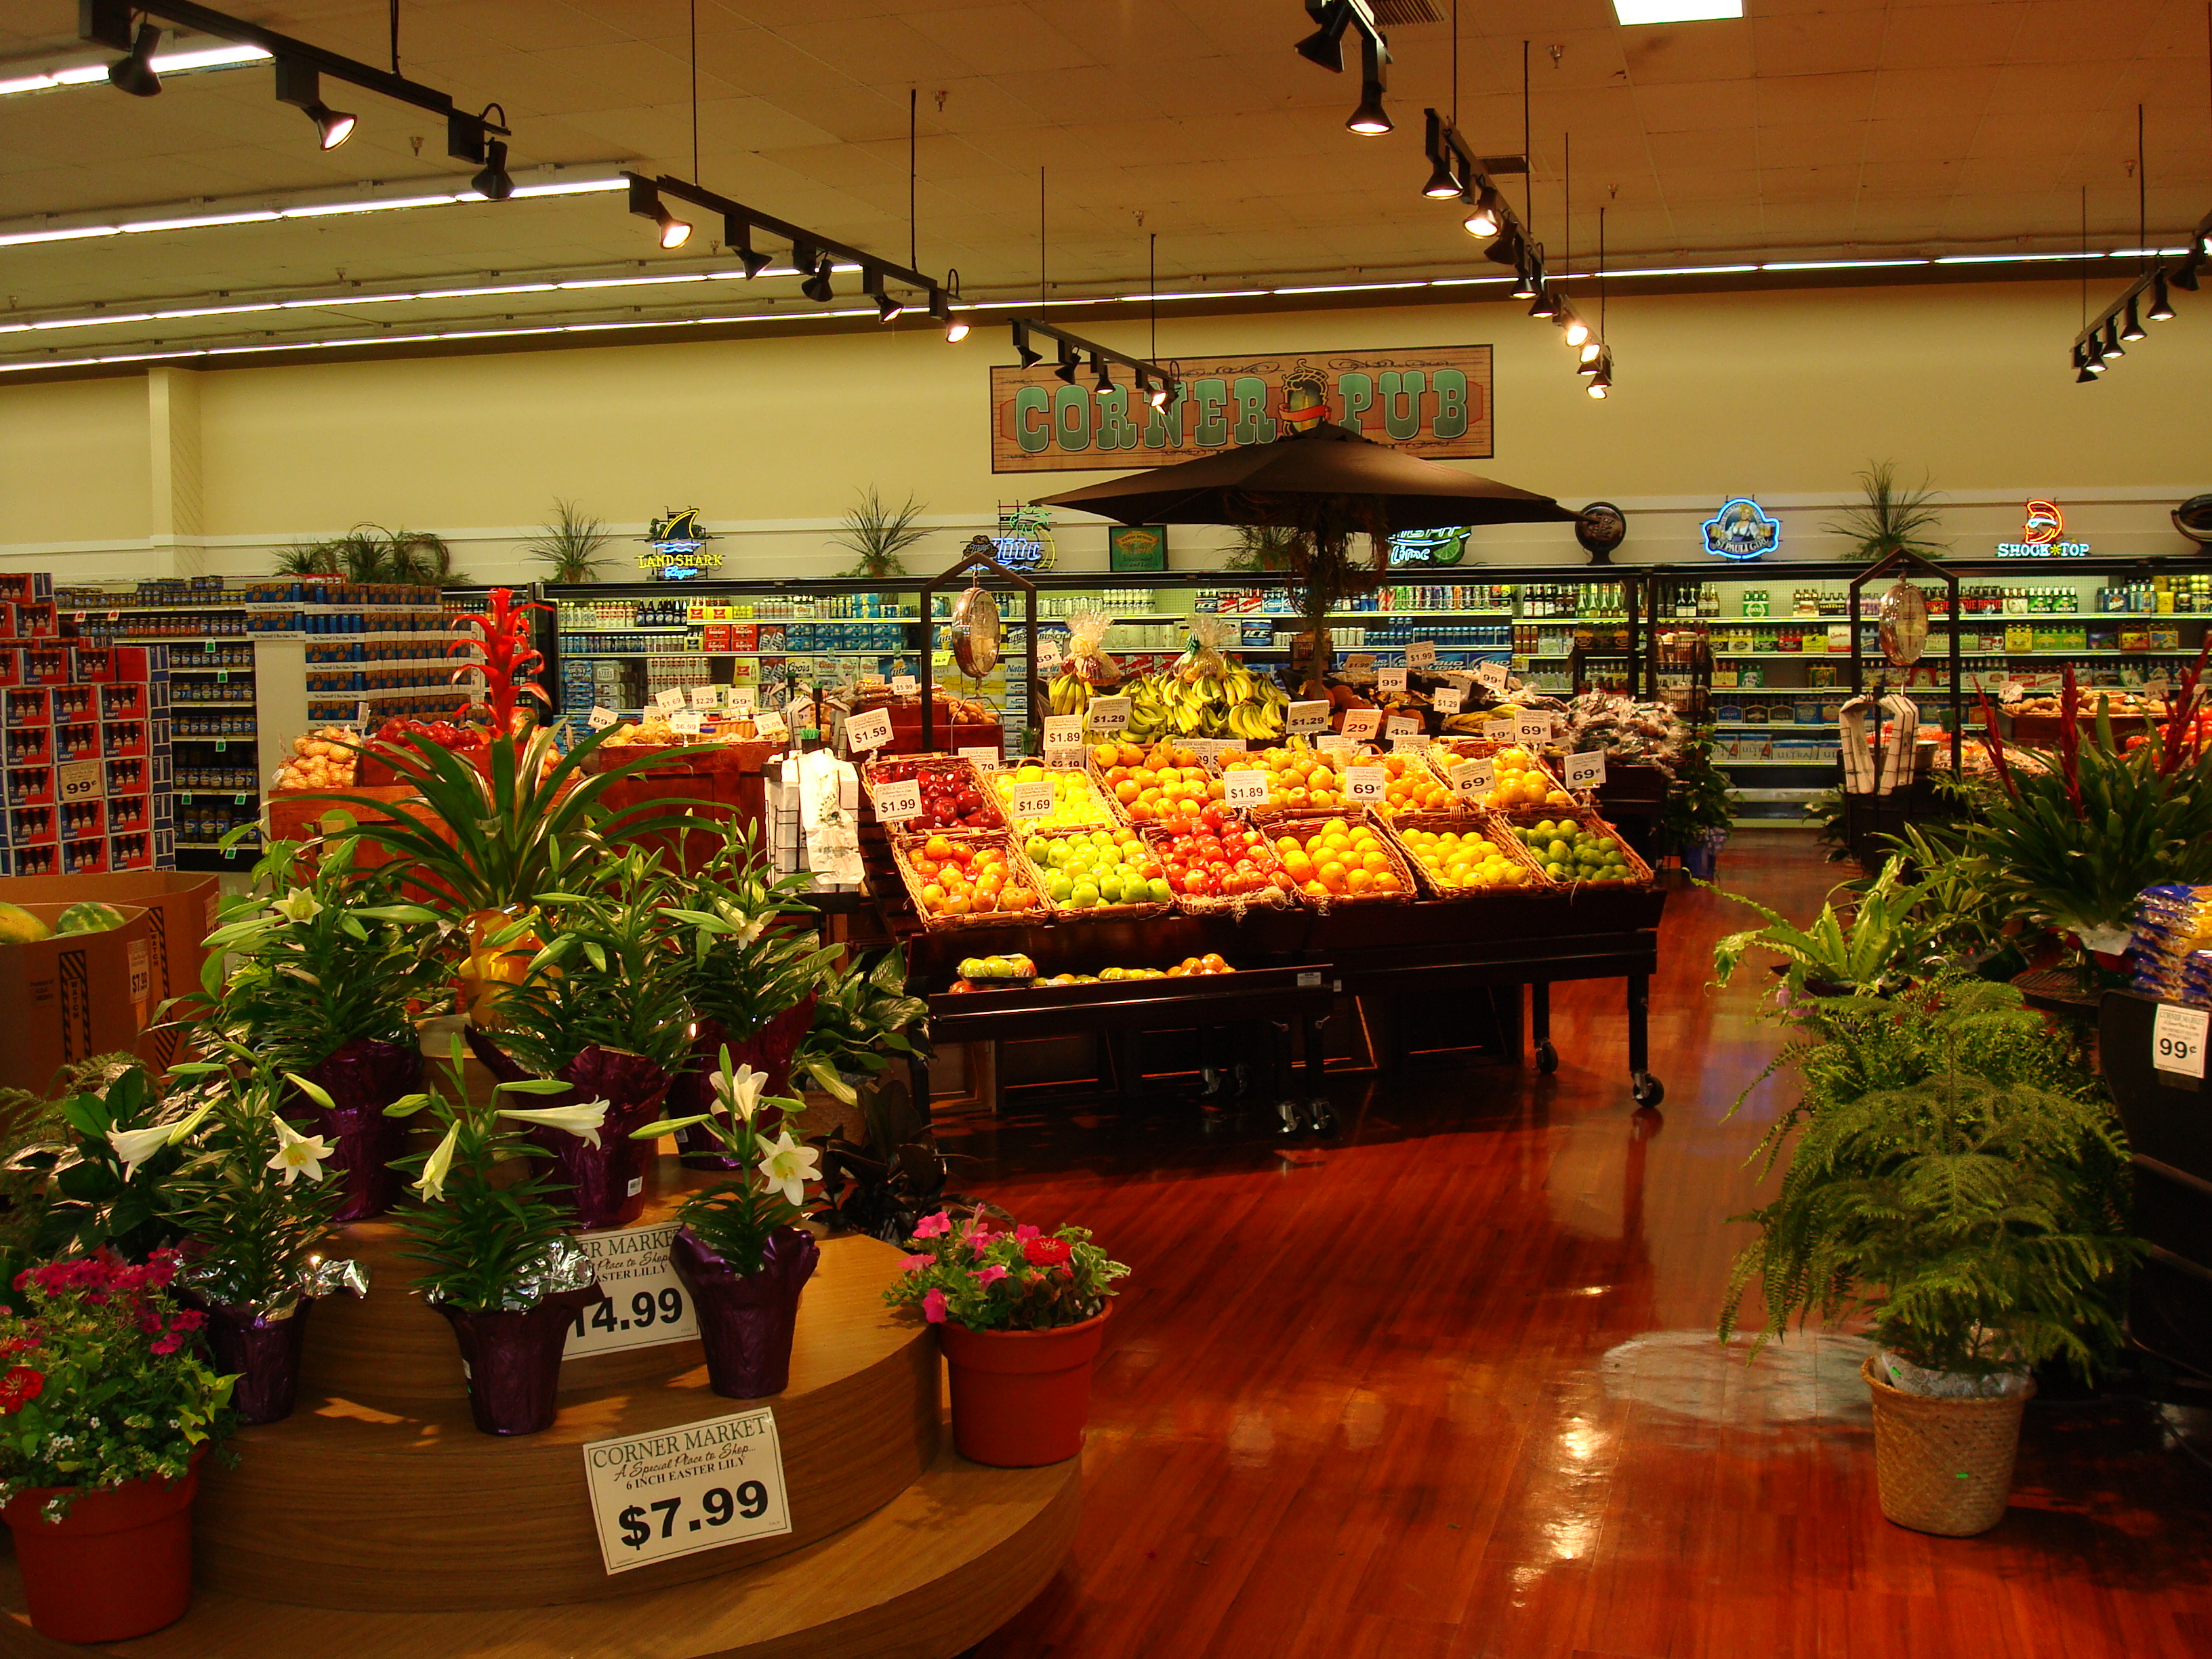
[1647, 1090]
[1320, 1116]
[1292, 1122]
[1547, 1057]
[1209, 1082]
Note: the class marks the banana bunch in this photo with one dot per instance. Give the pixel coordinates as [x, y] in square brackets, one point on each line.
[1069, 694]
[1240, 704]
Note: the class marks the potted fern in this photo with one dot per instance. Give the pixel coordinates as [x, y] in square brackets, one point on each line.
[1955, 1178]
[495, 1255]
[740, 1248]
[877, 534]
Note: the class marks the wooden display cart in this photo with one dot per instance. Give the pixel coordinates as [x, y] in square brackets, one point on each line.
[375, 1523]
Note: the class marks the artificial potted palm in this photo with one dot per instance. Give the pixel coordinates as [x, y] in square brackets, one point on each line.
[1956, 1179]
[254, 1204]
[601, 1007]
[1890, 518]
[740, 1248]
[573, 547]
[495, 1251]
[107, 1407]
[328, 967]
[1020, 1315]
[878, 533]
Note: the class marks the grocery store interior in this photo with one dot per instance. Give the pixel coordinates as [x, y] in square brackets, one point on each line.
[1511, 690]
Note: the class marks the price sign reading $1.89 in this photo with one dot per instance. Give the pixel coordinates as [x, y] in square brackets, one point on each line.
[646, 1302]
[2176, 1040]
[693, 1487]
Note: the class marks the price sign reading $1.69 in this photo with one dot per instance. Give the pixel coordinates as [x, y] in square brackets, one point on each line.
[646, 1302]
[693, 1487]
[2176, 1040]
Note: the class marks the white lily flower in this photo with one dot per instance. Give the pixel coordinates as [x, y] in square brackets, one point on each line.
[753, 928]
[135, 1146]
[786, 1167]
[298, 905]
[740, 1095]
[297, 1154]
[432, 1186]
[584, 1121]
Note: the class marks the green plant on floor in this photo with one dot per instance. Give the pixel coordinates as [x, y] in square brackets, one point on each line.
[573, 547]
[1876, 941]
[1954, 1178]
[1825, 810]
[1891, 518]
[859, 1012]
[370, 553]
[878, 533]
[1697, 798]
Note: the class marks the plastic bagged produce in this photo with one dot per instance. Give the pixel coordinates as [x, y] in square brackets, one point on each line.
[1202, 658]
[1087, 671]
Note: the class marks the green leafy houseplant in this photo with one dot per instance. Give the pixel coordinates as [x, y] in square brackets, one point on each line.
[573, 547]
[1021, 1279]
[859, 1012]
[1891, 520]
[1884, 942]
[370, 553]
[1944, 1182]
[1697, 797]
[735, 1216]
[1259, 547]
[878, 533]
[99, 1184]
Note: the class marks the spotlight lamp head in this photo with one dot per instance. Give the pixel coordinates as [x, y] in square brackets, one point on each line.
[645, 202]
[1163, 389]
[2161, 309]
[1370, 120]
[1509, 249]
[1443, 179]
[1069, 362]
[1592, 357]
[135, 74]
[1576, 331]
[2093, 351]
[1105, 371]
[1325, 46]
[2184, 275]
[888, 309]
[1487, 218]
[1545, 304]
[1600, 384]
[1530, 270]
[940, 307]
[2135, 330]
[491, 182]
[1029, 359]
[2083, 374]
[2112, 346]
[737, 237]
[299, 85]
[816, 286]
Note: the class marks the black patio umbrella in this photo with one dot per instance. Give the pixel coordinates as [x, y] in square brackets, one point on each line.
[1383, 490]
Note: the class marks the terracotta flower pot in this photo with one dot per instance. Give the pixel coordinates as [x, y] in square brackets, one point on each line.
[119, 1564]
[362, 1079]
[746, 1320]
[1020, 1398]
[514, 1359]
[263, 1354]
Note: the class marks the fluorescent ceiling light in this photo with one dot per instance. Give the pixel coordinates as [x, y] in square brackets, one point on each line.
[164, 63]
[380, 204]
[1841, 264]
[1675, 11]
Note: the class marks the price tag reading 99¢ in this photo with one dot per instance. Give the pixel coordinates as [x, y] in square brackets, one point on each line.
[1364, 782]
[1390, 679]
[870, 731]
[693, 1487]
[1471, 778]
[1585, 771]
[897, 802]
[78, 780]
[2176, 1040]
[1361, 724]
[1305, 718]
[1246, 786]
[1491, 674]
[646, 1302]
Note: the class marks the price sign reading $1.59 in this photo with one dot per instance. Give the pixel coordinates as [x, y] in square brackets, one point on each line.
[693, 1487]
[646, 1302]
[2176, 1040]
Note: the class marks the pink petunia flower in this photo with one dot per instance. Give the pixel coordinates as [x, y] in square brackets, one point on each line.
[168, 1344]
[933, 1307]
[933, 1226]
[914, 1264]
[1026, 1231]
[990, 1275]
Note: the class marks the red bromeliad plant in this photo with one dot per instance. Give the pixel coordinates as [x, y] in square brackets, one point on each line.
[508, 657]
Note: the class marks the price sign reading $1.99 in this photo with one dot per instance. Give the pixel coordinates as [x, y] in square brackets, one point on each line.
[693, 1487]
[2176, 1040]
[646, 1302]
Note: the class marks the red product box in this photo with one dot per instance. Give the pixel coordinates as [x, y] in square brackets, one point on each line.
[77, 742]
[83, 819]
[42, 665]
[124, 739]
[29, 620]
[32, 826]
[92, 664]
[26, 746]
[128, 777]
[131, 851]
[129, 812]
[28, 785]
[745, 636]
[27, 705]
[21, 587]
[85, 858]
[123, 702]
[140, 662]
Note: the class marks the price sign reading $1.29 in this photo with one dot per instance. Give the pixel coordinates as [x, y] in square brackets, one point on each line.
[2176, 1040]
[646, 1302]
[693, 1487]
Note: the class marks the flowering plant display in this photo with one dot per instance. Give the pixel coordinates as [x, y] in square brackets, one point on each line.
[102, 1380]
[487, 1243]
[101, 1184]
[735, 1216]
[1022, 1280]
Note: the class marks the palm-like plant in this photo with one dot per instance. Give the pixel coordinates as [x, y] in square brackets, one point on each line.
[572, 546]
[1885, 940]
[1259, 547]
[1891, 520]
[370, 553]
[878, 533]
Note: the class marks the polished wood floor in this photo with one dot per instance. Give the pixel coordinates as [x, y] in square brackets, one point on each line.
[1446, 1386]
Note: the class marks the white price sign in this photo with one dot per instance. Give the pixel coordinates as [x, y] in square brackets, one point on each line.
[1063, 733]
[1330, 743]
[685, 723]
[1471, 778]
[1401, 725]
[1532, 728]
[2011, 692]
[770, 728]
[1361, 724]
[1032, 800]
[705, 697]
[905, 685]
[696, 1486]
[1503, 730]
[1491, 674]
[1309, 717]
[648, 1302]
[1447, 699]
[1585, 771]
[361, 715]
[1421, 653]
[799, 709]
[868, 731]
[600, 719]
[1213, 748]
[739, 697]
[1390, 679]
[2176, 1040]
[1048, 655]
[1364, 782]
[1248, 786]
[897, 802]
[1107, 714]
[671, 698]
[1359, 662]
[77, 781]
[983, 755]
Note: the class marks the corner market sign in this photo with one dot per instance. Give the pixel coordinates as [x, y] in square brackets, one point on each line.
[1433, 402]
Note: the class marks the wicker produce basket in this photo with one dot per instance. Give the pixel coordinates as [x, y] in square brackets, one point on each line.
[906, 848]
[1464, 823]
[1101, 816]
[1277, 809]
[1944, 1466]
[1359, 818]
[1118, 809]
[877, 773]
[1586, 819]
[1233, 904]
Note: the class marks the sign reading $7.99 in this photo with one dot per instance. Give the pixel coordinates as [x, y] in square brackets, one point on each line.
[695, 1486]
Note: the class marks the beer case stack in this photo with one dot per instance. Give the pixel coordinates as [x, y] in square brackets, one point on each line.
[85, 781]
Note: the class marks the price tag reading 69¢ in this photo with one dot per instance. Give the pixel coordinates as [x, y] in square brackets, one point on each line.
[1473, 777]
[2176, 1040]
[1364, 783]
[646, 1302]
[693, 1487]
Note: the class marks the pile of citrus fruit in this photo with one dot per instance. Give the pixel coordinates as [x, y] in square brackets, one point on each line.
[961, 877]
[1520, 779]
[1570, 852]
[1299, 777]
[1164, 784]
[1410, 786]
[1084, 870]
[1073, 800]
[1340, 860]
[1466, 858]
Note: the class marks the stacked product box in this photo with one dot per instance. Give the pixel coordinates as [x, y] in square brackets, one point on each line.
[84, 746]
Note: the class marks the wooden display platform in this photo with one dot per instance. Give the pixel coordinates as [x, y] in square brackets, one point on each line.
[931, 1573]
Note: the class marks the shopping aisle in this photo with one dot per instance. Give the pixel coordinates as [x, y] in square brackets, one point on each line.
[1448, 1385]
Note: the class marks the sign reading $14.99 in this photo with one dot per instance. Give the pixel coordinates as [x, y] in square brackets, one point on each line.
[693, 1487]
[646, 1302]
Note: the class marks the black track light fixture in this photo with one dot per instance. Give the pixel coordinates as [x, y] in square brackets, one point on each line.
[1510, 248]
[1487, 216]
[491, 182]
[135, 74]
[2134, 329]
[2082, 374]
[645, 202]
[817, 287]
[1546, 303]
[888, 309]
[1162, 391]
[1576, 331]
[1443, 179]
[1592, 357]
[1325, 46]
[2161, 307]
[302, 87]
[1530, 271]
[2112, 346]
[1029, 359]
[737, 237]
[1370, 120]
[2184, 275]
[1069, 362]
[1104, 370]
[2092, 354]
[940, 306]
[1600, 382]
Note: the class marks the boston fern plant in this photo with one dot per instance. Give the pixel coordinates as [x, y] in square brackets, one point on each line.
[1944, 1182]
[1885, 940]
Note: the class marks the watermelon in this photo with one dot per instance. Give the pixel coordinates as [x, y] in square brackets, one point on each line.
[19, 927]
[89, 916]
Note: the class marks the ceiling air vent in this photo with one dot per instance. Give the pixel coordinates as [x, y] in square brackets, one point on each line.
[1402, 13]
